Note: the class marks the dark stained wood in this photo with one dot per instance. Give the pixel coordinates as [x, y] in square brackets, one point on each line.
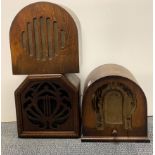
[48, 106]
[44, 40]
[114, 107]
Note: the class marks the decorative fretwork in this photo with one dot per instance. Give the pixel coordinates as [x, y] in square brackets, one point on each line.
[114, 103]
[46, 104]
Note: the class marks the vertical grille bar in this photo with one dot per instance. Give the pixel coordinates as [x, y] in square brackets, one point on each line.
[30, 40]
[37, 39]
[24, 40]
[49, 37]
[43, 38]
[62, 39]
[55, 29]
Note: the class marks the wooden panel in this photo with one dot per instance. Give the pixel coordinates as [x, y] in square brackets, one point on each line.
[114, 107]
[44, 39]
[48, 106]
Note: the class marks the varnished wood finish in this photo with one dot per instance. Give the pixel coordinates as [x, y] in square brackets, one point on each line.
[48, 106]
[44, 40]
[114, 107]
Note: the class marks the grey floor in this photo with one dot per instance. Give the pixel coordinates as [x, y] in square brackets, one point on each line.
[12, 145]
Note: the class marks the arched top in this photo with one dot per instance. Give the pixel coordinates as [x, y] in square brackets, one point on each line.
[112, 80]
[44, 39]
[108, 70]
[114, 105]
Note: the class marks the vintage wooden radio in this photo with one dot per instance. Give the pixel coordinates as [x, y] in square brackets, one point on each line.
[44, 35]
[44, 40]
[48, 106]
[114, 106]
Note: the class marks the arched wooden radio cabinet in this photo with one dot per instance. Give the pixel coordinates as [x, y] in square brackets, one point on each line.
[114, 107]
[44, 35]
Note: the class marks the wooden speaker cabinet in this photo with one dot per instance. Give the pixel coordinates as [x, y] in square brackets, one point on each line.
[45, 36]
[114, 106]
[48, 106]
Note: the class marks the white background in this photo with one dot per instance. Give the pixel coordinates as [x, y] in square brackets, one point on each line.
[110, 31]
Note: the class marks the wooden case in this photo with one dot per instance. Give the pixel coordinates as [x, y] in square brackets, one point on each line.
[114, 107]
[48, 106]
[44, 40]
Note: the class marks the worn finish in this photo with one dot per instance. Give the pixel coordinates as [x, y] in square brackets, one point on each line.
[48, 106]
[114, 106]
[44, 40]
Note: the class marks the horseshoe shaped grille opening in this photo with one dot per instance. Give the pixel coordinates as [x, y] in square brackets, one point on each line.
[111, 109]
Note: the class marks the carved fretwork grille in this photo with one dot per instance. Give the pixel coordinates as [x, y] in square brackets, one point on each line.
[114, 103]
[46, 104]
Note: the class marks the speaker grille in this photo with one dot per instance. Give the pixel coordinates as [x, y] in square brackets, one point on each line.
[42, 38]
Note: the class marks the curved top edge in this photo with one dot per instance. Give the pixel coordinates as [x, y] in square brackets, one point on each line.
[42, 3]
[90, 84]
[108, 70]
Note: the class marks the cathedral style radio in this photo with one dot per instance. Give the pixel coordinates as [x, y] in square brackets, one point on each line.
[44, 40]
[114, 106]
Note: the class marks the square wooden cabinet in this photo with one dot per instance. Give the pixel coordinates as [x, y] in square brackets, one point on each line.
[48, 106]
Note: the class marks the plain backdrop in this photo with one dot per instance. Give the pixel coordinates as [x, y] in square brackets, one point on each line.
[110, 31]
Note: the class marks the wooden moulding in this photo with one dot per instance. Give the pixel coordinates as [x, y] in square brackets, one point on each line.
[48, 106]
[44, 40]
[114, 107]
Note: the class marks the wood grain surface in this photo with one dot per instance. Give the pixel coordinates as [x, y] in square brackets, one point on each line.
[48, 106]
[114, 107]
[44, 40]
